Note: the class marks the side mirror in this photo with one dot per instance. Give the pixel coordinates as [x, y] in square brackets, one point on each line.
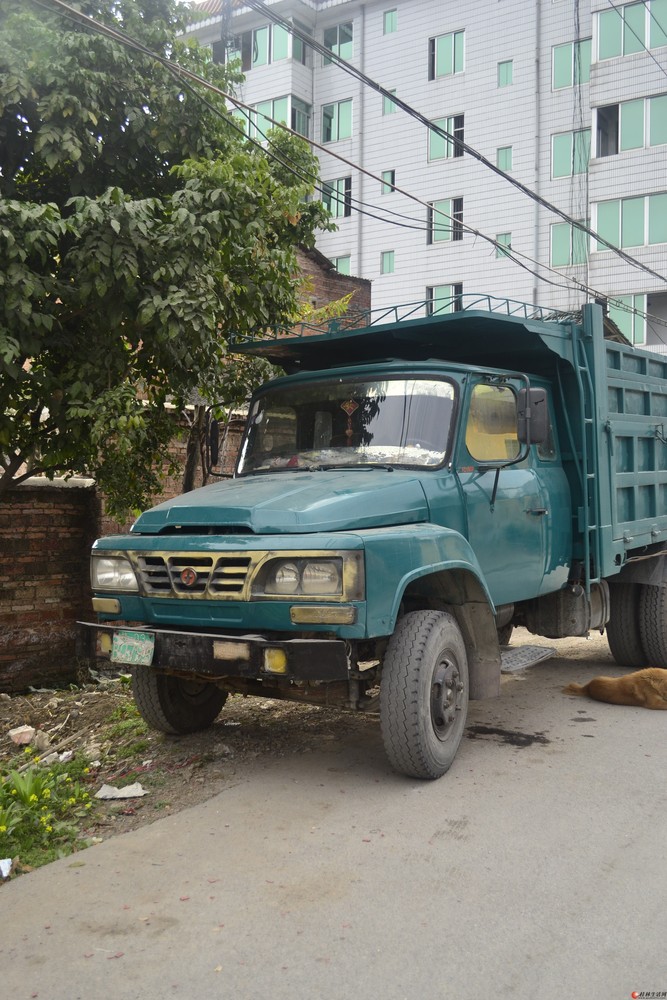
[532, 414]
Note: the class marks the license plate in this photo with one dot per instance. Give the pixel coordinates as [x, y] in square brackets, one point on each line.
[133, 647]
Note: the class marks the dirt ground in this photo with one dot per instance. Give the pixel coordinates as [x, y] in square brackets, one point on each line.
[99, 719]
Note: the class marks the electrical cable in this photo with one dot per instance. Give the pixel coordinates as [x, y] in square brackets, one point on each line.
[183, 76]
[347, 67]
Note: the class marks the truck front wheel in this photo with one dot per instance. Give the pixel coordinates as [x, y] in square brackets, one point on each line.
[173, 705]
[424, 694]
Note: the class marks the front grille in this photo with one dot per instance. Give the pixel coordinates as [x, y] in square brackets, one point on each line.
[191, 575]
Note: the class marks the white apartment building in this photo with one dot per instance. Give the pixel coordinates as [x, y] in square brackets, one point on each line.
[568, 97]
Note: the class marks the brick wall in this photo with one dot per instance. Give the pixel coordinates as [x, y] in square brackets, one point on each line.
[45, 536]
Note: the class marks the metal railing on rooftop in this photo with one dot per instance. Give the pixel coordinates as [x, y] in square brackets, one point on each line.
[422, 309]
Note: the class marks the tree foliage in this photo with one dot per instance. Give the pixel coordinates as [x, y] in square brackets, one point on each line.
[138, 228]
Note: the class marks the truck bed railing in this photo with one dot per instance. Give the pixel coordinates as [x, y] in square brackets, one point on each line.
[365, 318]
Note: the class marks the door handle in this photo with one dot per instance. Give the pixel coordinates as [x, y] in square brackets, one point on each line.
[538, 511]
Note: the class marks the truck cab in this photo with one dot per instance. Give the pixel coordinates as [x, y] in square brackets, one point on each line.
[403, 496]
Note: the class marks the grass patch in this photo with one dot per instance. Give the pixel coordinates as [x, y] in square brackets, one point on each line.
[42, 810]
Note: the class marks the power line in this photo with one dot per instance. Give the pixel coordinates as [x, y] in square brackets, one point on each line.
[183, 76]
[347, 67]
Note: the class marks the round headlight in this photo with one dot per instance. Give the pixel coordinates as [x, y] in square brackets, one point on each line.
[285, 579]
[321, 578]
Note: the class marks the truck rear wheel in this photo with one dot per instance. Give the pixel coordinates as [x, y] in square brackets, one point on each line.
[424, 694]
[653, 624]
[623, 628]
[173, 705]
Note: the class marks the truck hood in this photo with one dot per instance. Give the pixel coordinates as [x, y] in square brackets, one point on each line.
[294, 502]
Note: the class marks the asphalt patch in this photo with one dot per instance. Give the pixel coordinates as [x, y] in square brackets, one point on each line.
[510, 737]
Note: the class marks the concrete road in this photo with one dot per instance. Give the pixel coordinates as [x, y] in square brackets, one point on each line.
[534, 869]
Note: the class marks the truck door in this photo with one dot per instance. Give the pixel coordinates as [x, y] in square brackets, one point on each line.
[506, 507]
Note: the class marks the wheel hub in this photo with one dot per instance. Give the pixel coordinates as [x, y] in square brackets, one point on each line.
[446, 692]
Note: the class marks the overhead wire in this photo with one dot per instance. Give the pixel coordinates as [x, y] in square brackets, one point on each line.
[185, 76]
[259, 6]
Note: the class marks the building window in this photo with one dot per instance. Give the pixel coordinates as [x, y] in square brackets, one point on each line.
[260, 46]
[630, 28]
[300, 116]
[387, 262]
[632, 222]
[446, 55]
[337, 197]
[445, 220]
[290, 109]
[336, 121]
[568, 245]
[571, 64]
[444, 298]
[388, 106]
[631, 125]
[504, 158]
[389, 22]
[624, 312]
[440, 148]
[339, 41]
[570, 153]
[504, 243]
[505, 73]
[388, 181]
[342, 264]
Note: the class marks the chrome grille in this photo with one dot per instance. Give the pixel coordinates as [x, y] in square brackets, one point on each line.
[216, 576]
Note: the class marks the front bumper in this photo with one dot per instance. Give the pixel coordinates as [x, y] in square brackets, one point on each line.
[216, 655]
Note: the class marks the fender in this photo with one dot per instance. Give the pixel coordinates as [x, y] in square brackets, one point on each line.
[437, 566]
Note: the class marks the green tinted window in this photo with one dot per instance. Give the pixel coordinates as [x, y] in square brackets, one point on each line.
[610, 25]
[582, 61]
[581, 151]
[504, 240]
[562, 66]
[504, 158]
[632, 125]
[632, 222]
[560, 244]
[260, 47]
[342, 264]
[280, 42]
[336, 121]
[505, 73]
[280, 113]
[388, 181]
[389, 22]
[387, 262]
[579, 246]
[448, 55]
[657, 218]
[388, 106]
[561, 155]
[658, 120]
[622, 311]
[609, 223]
[443, 298]
[441, 212]
[658, 23]
[634, 22]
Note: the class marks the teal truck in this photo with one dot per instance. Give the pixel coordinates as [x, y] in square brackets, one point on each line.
[411, 490]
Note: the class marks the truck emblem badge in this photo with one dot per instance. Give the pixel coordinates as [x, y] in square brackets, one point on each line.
[188, 577]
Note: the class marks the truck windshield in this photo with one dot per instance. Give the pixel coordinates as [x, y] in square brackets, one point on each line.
[397, 422]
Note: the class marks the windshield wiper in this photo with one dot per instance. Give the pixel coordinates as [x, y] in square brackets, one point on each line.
[353, 465]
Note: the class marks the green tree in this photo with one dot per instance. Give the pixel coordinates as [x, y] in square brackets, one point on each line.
[138, 228]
